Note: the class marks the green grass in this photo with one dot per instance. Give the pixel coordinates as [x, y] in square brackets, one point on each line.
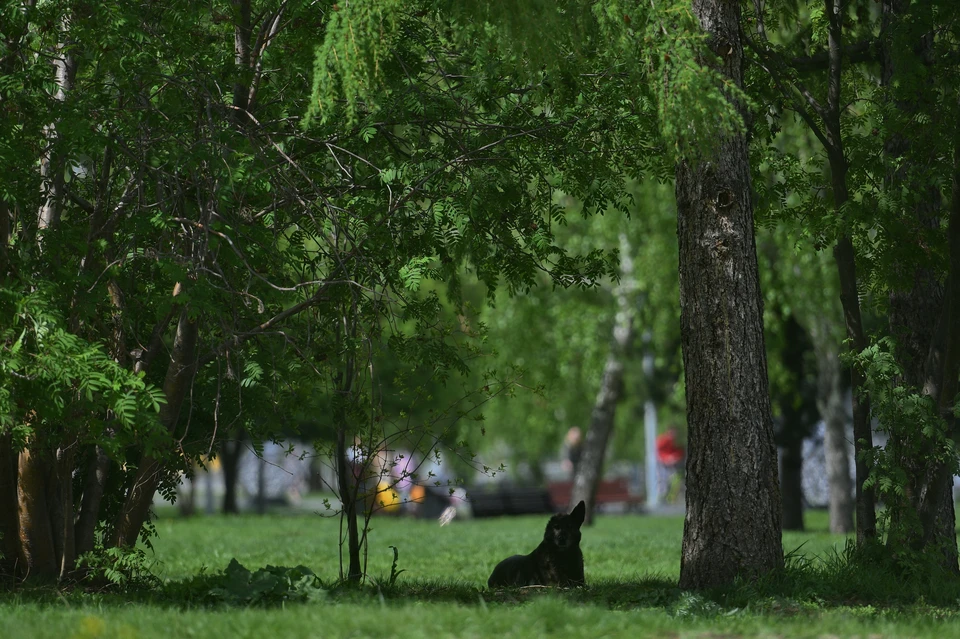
[617, 547]
[632, 565]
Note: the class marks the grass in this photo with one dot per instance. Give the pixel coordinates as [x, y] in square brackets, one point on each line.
[632, 565]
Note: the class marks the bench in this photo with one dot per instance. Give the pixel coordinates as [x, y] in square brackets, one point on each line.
[609, 491]
[510, 500]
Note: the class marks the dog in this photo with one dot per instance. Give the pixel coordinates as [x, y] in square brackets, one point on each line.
[557, 561]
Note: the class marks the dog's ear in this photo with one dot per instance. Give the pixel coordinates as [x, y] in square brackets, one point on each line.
[578, 513]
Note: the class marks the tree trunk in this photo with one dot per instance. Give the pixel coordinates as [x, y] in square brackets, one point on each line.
[935, 497]
[261, 485]
[179, 377]
[845, 258]
[37, 557]
[732, 526]
[590, 469]
[914, 311]
[5, 225]
[862, 432]
[51, 164]
[791, 483]
[794, 403]
[93, 487]
[60, 503]
[347, 487]
[830, 404]
[9, 520]
[230, 450]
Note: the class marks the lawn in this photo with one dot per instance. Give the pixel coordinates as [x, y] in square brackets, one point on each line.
[632, 563]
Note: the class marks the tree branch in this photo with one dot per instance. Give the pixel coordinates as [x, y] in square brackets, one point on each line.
[239, 338]
[862, 51]
[796, 92]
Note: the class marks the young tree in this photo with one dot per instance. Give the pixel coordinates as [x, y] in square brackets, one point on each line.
[589, 471]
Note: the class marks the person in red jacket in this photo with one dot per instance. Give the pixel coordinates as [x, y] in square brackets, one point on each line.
[671, 454]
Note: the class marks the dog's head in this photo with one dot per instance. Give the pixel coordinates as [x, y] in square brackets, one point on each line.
[563, 531]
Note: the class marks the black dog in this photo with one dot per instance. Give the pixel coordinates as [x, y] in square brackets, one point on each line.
[557, 561]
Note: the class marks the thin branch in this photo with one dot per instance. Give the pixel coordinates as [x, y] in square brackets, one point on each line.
[862, 51]
[794, 92]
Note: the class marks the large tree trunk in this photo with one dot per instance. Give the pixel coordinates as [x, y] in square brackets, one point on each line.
[732, 526]
[44, 545]
[179, 377]
[44, 488]
[590, 469]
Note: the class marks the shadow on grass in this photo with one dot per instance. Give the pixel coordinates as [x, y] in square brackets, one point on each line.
[851, 578]
[221, 589]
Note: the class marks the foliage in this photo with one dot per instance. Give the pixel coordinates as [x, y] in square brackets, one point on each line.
[917, 431]
[304, 256]
[659, 48]
[561, 344]
[318, 186]
[272, 585]
[39, 357]
[123, 568]
[851, 149]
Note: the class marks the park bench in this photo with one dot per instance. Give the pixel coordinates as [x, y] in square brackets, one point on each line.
[510, 500]
[609, 491]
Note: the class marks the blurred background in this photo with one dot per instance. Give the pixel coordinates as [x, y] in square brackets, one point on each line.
[596, 388]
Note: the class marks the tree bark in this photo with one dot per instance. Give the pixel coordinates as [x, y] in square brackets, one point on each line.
[93, 487]
[51, 164]
[733, 525]
[179, 377]
[60, 504]
[590, 469]
[37, 557]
